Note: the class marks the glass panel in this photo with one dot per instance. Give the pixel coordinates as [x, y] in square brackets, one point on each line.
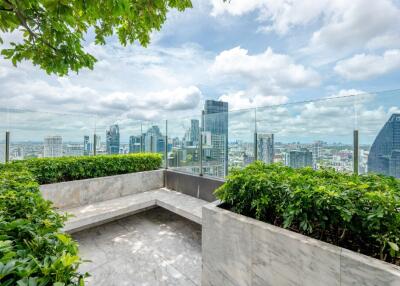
[241, 129]
[314, 134]
[184, 144]
[378, 122]
[4, 119]
[45, 134]
[215, 143]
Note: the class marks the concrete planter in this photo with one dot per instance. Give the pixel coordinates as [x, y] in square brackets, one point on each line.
[83, 192]
[238, 250]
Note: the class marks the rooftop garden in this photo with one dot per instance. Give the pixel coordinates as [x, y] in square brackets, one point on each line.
[357, 212]
[33, 250]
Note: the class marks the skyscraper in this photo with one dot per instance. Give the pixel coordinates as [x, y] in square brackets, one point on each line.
[86, 145]
[153, 140]
[300, 158]
[194, 131]
[135, 144]
[112, 136]
[384, 156]
[265, 148]
[53, 147]
[216, 122]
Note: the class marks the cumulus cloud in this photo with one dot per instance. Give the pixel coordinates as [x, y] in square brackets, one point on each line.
[265, 70]
[364, 66]
[242, 99]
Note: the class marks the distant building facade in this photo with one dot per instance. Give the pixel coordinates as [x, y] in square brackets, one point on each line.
[216, 122]
[154, 141]
[265, 148]
[384, 155]
[300, 158]
[113, 140]
[194, 131]
[53, 147]
[86, 145]
[135, 144]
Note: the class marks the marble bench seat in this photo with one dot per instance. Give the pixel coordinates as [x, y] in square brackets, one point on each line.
[94, 214]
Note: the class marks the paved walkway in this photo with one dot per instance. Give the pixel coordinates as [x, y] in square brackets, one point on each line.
[155, 247]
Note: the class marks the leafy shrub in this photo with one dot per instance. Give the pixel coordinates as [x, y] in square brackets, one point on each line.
[361, 213]
[53, 170]
[32, 251]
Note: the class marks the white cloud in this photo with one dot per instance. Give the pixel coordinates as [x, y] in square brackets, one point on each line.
[364, 66]
[241, 100]
[265, 70]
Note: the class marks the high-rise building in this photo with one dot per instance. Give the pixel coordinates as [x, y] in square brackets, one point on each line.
[112, 143]
[53, 147]
[135, 144]
[300, 158]
[194, 131]
[216, 122]
[73, 150]
[384, 156]
[86, 145]
[265, 148]
[154, 141]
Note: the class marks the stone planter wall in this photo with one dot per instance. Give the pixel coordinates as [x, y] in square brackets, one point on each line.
[83, 192]
[240, 251]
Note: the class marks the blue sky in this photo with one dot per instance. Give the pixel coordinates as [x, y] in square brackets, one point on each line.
[249, 53]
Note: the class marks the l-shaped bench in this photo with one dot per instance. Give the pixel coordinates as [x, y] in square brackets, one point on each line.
[92, 202]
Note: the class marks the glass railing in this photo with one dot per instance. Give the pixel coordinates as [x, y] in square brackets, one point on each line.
[357, 133]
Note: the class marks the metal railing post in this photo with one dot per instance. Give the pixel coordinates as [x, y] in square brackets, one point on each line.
[141, 138]
[255, 136]
[255, 147]
[166, 144]
[355, 151]
[94, 144]
[7, 151]
[201, 142]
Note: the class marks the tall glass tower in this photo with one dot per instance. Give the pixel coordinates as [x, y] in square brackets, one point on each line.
[384, 156]
[216, 122]
[112, 137]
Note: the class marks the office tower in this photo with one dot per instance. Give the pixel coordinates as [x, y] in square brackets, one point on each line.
[194, 131]
[154, 141]
[74, 150]
[135, 144]
[300, 158]
[2, 152]
[216, 122]
[384, 157]
[86, 145]
[316, 150]
[112, 136]
[53, 147]
[265, 148]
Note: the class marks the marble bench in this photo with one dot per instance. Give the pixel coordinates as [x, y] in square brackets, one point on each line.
[94, 214]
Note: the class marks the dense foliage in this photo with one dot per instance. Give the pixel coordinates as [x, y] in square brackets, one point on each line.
[53, 31]
[361, 213]
[32, 251]
[53, 170]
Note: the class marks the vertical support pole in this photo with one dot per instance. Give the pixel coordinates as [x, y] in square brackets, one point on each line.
[141, 137]
[94, 144]
[255, 147]
[255, 136]
[201, 129]
[355, 151]
[166, 144]
[7, 147]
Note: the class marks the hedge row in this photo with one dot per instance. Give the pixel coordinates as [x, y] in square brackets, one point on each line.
[361, 213]
[53, 170]
[32, 250]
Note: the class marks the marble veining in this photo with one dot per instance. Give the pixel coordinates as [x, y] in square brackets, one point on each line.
[155, 247]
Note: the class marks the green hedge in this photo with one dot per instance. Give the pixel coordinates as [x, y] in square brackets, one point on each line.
[53, 170]
[32, 250]
[361, 213]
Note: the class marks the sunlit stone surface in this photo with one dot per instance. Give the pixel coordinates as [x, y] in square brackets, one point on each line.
[155, 247]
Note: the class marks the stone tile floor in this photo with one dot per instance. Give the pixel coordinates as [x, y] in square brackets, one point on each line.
[155, 247]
